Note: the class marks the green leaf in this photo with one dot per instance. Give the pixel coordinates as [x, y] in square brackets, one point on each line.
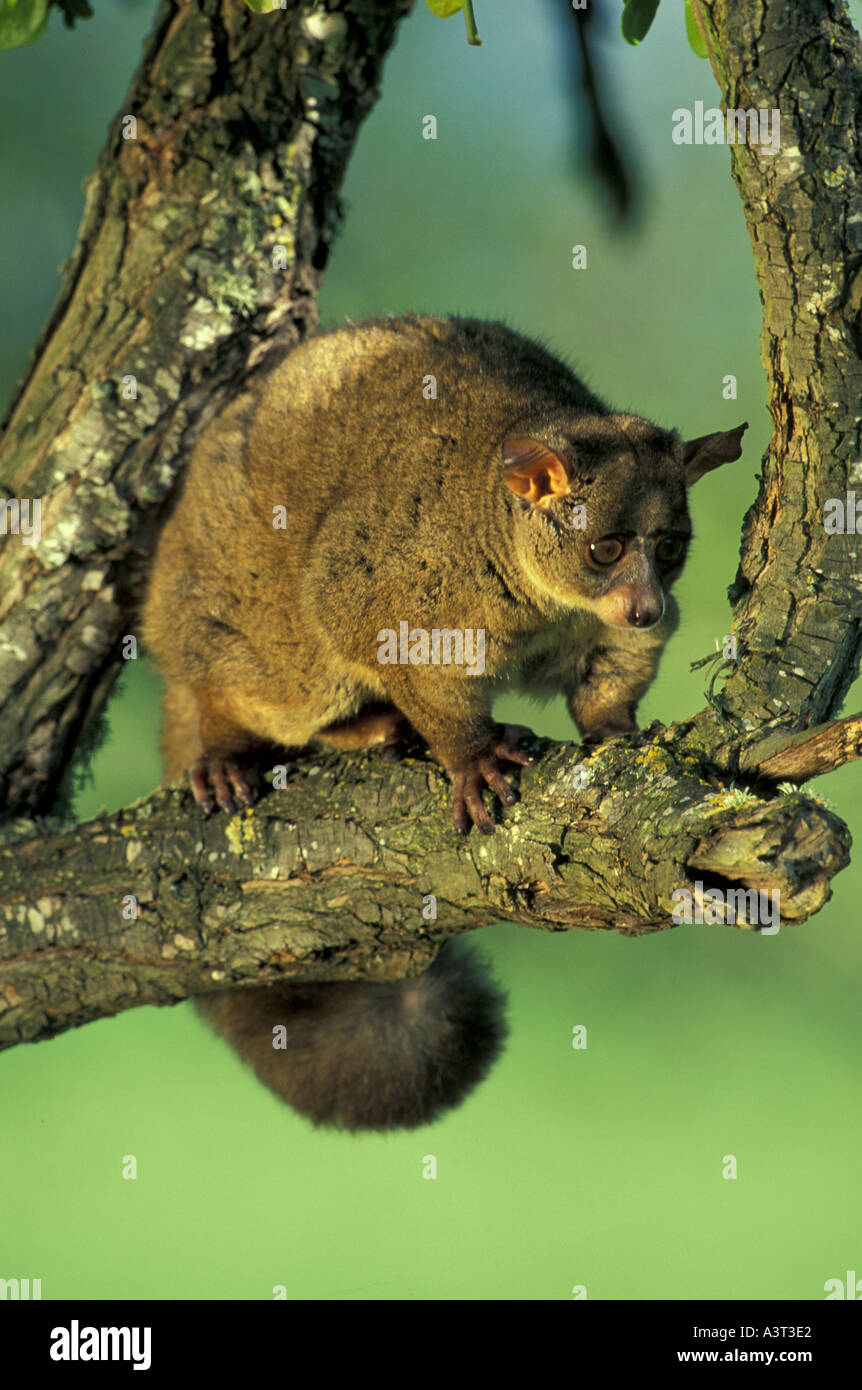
[444, 8]
[693, 32]
[22, 22]
[638, 15]
[263, 6]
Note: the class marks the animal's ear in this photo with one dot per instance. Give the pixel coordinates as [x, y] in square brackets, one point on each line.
[711, 451]
[536, 472]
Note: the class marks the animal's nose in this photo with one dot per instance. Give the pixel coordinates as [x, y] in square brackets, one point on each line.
[643, 615]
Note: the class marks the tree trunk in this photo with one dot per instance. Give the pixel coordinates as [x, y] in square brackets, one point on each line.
[244, 126]
[798, 592]
[242, 137]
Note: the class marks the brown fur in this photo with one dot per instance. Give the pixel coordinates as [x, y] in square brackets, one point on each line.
[452, 512]
[397, 511]
[361, 1055]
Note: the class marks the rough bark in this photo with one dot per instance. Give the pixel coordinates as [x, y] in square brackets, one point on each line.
[327, 877]
[798, 592]
[330, 878]
[245, 123]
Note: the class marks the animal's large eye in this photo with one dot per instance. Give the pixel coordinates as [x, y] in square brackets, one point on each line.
[606, 551]
[669, 550]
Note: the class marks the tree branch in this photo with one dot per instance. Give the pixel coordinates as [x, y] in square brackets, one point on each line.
[809, 754]
[329, 878]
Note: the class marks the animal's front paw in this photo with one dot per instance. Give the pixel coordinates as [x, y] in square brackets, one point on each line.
[225, 781]
[487, 771]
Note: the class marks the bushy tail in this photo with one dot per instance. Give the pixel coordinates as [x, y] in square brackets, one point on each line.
[363, 1055]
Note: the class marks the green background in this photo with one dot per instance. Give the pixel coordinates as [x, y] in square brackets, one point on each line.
[600, 1167]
